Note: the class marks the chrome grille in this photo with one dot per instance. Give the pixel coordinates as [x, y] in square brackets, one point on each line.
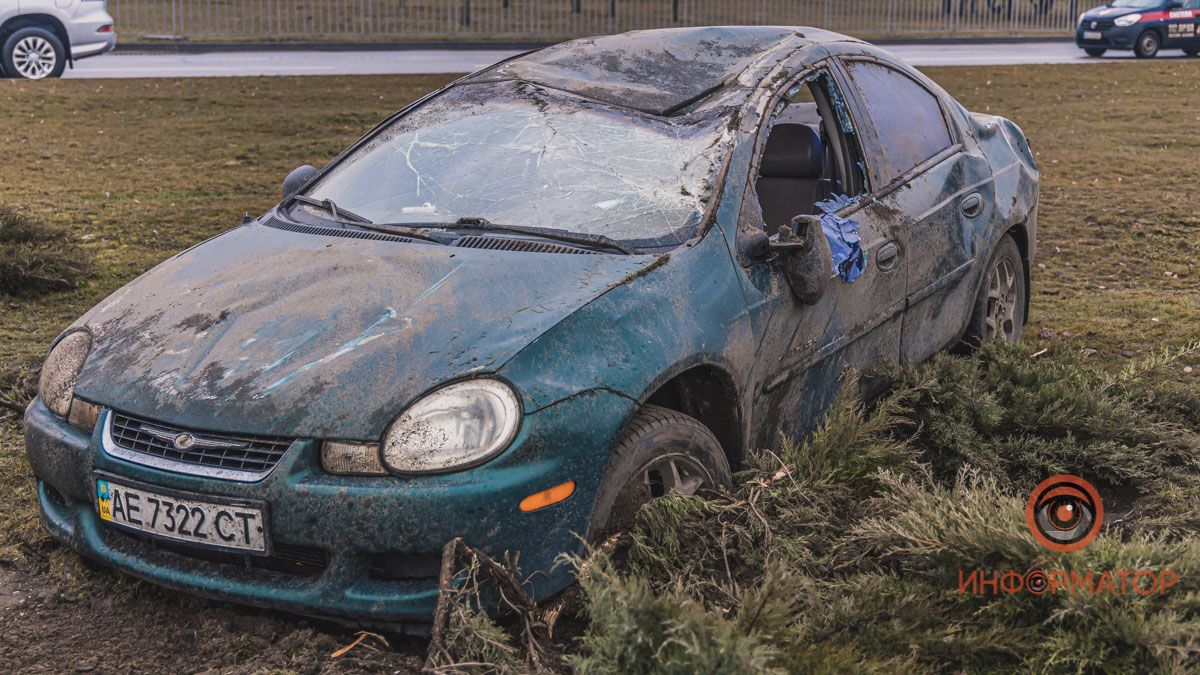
[202, 453]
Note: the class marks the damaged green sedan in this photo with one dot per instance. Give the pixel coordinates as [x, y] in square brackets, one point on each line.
[523, 306]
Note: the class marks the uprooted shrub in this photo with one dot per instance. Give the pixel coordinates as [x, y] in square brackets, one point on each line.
[35, 258]
[18, 385]
[844, 552]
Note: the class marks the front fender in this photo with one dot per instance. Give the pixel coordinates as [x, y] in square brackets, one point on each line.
[687, 308]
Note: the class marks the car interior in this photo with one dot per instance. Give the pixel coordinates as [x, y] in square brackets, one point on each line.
[800, 165]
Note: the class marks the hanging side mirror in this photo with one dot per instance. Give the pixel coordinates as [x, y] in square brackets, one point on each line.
[807, 259]
[296, 179]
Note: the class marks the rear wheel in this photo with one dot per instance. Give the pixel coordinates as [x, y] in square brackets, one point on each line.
[999, 312]
[1192, 51]
[33, 53]
[663, 451]
[1147, 45]
[1094, 51]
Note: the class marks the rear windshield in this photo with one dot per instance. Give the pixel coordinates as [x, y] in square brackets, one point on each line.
[519, 155]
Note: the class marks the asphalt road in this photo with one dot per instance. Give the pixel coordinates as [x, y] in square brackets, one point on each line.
[225, 64]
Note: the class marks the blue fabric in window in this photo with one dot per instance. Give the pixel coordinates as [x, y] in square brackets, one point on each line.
[849, 260]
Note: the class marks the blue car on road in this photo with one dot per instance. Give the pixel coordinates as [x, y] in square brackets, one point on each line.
[1144, 26]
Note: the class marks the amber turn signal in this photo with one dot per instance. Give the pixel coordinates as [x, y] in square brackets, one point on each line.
[83, 415]
[554, 495]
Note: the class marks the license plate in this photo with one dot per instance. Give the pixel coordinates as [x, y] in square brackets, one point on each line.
[214, 522]
[1093, 35]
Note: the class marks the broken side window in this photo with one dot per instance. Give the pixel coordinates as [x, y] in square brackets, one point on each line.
[812, 153]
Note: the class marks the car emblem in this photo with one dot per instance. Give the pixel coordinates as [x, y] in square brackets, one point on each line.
[185, 440]
[1095, 24]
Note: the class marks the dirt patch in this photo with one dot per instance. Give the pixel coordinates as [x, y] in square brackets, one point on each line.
[103, 622]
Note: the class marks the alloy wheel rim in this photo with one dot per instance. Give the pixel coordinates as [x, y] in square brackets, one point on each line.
[1148, 44]
[1001, 321]
[674, 472]
[34, 58]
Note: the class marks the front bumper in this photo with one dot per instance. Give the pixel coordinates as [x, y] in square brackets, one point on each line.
[1110, 38]
[381, 537]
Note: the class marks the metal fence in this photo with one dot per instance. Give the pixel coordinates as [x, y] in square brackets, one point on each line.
[559, 19]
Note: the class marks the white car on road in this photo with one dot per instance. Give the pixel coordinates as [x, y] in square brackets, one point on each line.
[39, 38]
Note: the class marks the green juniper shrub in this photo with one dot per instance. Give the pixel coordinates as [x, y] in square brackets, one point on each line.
[844, 552]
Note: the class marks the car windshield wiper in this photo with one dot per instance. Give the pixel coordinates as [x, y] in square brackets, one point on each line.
[402, 230]
[328, 205]
[352, 218]
[476, 223]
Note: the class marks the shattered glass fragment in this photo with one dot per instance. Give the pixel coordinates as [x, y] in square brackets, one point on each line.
[839, 104]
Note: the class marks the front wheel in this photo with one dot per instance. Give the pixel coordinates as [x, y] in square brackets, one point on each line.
[1147, 45]
[999, 312]
[33, 53]
[662, 451]
[1094, 51]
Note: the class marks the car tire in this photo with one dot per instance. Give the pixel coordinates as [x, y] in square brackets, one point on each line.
[999, 311]
[1095, 51]
[1192, 52]
[661, 450]
[33, 53]
[1147, 45]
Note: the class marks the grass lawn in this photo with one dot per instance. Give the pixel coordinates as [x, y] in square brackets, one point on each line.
[138, 170]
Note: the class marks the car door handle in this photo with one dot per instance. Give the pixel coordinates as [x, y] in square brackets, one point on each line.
[972, 205]
[888, 256]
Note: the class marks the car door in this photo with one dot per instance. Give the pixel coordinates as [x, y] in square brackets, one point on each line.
[939, 196]
[1183, 26]
[805, 349]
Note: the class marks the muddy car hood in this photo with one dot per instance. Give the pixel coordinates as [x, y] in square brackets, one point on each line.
[1106, 12]
[263, 331]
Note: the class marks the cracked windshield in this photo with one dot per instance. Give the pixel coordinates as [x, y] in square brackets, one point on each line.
[519, 156]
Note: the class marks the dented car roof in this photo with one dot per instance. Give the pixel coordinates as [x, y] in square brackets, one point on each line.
[656, 71]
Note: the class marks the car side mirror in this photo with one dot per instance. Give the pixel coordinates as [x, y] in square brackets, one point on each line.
[807, 258]
[804, 252]
[296, 179]
[753, 245]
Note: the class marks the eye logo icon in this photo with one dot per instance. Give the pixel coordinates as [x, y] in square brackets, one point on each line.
[1064, 513]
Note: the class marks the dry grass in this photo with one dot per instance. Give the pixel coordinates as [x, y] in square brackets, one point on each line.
[137, 170]
[35, 259]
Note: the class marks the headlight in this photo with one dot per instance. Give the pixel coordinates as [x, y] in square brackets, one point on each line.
[56, 386]
[455, 427]
[1128, 20]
